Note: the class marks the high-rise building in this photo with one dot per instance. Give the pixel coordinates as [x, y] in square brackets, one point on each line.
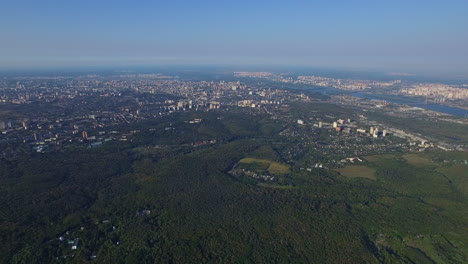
[25, 124]
[335, 124]
[84, 134]
[376, 133]
[214, 105]
[2, 125]
[320, 125]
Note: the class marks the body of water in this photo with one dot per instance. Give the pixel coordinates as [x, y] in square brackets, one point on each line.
[416, 102]
[405, 100]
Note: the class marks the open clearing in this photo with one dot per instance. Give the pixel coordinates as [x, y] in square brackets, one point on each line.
[276, 186]
[357, 171]
[457, 174]
[417, 160]
[272, 167]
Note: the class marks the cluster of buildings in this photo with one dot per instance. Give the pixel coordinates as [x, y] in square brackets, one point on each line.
[348, 126]
[453, 95]
[93, 109]
[330, 147]
[88, 109]
[253, 74]
[438, 92]
[344, 84]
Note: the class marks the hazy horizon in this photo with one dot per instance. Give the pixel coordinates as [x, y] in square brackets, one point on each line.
[419, 37]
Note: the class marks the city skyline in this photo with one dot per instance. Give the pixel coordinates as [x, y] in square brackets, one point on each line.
[421, 36]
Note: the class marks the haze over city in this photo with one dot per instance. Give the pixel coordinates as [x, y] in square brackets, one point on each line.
[412, 36]
[234, 131]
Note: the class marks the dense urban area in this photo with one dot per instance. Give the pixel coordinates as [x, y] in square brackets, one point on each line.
[85, 110]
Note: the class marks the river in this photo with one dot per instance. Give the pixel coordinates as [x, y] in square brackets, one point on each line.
[416, 102]
[405, 100]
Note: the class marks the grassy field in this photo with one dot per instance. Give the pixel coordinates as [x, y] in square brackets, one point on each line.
[418, 160]
[435, 248]
[273, 167]
[374, 158]
[276, 186]
[9, 115]
[457, 174]
[358, 171]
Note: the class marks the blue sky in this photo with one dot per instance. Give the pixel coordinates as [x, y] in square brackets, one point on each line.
[368, 34]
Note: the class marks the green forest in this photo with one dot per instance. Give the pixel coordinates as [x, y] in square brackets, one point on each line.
[161, 199]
